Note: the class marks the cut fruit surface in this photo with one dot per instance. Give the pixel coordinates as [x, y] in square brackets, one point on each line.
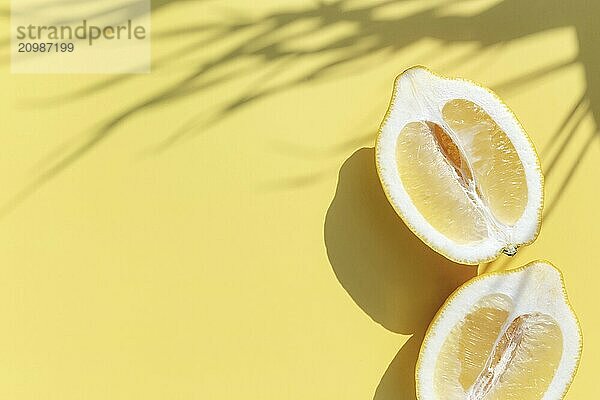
[458, 168]
[502, 336]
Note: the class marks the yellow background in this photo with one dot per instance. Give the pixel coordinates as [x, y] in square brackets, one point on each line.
[184, 234]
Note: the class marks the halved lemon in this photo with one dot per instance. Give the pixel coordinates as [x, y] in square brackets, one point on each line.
[459, 169]
[502, 336]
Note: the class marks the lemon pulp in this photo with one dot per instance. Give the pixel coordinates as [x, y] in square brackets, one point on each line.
[490, 355]
[466, 177]
[430, 181]
[494, 159]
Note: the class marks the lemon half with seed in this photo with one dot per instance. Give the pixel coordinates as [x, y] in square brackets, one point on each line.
[458, 168]
[502, 336]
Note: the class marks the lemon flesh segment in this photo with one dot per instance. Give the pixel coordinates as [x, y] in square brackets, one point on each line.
[431, 183]
[502, 336]
[532, 348]
[469, 346]
[496, 165]
[458, 168]
[485, 357]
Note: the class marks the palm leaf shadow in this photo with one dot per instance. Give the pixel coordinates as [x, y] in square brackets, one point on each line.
[263, 38]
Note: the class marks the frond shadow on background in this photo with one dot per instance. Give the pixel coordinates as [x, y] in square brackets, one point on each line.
[273, 41]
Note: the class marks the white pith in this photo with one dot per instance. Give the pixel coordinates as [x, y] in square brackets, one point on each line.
[420, 95]
[536, 288]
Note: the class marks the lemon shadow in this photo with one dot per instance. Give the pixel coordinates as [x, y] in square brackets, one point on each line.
[391, 274]
[398, 382]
